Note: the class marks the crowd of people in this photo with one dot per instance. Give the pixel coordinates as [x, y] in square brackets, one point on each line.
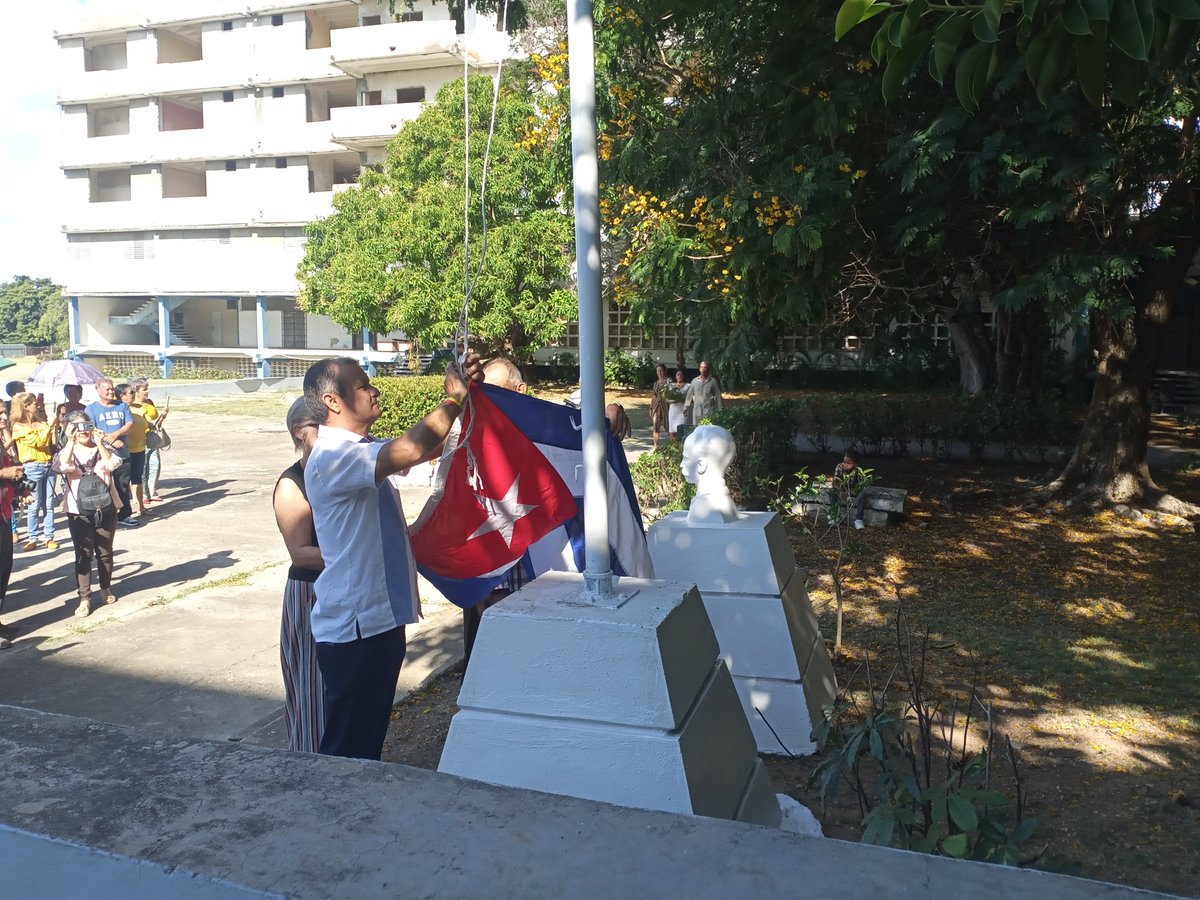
[672, 401]
[90, 463]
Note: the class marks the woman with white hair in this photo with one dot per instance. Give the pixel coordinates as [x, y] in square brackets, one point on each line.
[302, 686]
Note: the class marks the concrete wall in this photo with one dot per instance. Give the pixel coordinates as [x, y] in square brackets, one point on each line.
[301, 825]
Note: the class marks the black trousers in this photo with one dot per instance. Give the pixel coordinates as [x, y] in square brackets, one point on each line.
[121, 480]
[89, 542]
[6, 557]
[360, 688]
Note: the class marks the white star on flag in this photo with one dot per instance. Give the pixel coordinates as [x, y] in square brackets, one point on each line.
[503, 514]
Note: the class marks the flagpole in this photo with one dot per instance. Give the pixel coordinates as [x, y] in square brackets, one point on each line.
[581, 67]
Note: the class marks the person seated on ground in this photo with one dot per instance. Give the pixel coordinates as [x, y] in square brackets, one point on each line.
[707, 453]
[847, 481]
[91, 533]
[35, 450]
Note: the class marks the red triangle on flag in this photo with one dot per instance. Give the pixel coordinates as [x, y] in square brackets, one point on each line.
[483, 525]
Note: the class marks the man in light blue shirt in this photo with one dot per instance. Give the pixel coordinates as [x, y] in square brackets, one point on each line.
[366, 594]
[115, 420]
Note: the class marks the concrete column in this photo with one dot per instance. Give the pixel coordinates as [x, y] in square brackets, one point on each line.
[74, 339]
[164, 337]
[264, 365]
[368, 346]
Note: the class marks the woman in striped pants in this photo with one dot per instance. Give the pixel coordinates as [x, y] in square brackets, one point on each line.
[302, 685]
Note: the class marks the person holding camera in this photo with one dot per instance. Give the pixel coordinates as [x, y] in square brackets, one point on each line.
[34, 439]
[91, 521]
[10, 472]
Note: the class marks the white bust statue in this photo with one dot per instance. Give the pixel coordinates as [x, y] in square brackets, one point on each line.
[707, 453]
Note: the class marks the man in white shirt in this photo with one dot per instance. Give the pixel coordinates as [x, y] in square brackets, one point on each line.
[366, 593]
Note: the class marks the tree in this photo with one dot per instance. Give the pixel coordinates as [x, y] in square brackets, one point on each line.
[735, 149]
[391, 256]
[32, 311]
[1109, 211]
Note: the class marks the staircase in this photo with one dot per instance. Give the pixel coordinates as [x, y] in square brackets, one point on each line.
[146, 314]
[181, 338]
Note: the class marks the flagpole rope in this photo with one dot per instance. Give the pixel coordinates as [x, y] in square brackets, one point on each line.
[463, 332]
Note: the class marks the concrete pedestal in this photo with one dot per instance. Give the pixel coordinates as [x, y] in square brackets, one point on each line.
[629, 705]
[758, 605]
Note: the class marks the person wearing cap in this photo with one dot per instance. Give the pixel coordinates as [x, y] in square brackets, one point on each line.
[83, 453]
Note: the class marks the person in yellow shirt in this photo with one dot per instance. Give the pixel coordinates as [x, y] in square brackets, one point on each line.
[135, 440]
[142, 405]
[34, 442]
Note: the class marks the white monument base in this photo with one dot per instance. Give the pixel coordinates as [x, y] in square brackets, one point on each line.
[629, 705]
[769, 636]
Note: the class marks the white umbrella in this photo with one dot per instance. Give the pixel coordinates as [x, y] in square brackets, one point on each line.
[58, 372]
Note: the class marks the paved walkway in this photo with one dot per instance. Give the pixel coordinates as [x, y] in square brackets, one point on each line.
[191, 647]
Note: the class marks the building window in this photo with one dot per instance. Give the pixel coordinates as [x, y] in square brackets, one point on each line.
[231, 165]
[371, 20]
[227, 97]
[410, 94]
[276, 92]
[372, 98]
[276, 21]
[227, 26]
[294, 327]
[281, 162]
[417, 16]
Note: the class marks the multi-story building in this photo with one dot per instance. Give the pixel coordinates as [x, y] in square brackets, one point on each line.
[200, 136]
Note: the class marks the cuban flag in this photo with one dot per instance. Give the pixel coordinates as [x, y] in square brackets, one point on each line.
[548, 437]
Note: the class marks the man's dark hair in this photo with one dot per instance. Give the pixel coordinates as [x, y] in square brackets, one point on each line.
[121, 388]
[325, 377]
[13, 388]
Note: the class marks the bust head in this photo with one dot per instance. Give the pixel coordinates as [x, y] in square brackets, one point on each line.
[707, 453]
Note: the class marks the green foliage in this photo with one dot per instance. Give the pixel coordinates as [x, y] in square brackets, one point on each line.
[918, 786]
[564, 366]
[32, 311]
[406, 400]
[1108, 49]
[391, 256]
[627, 369]
[880, 424]
[659, 482]
[765, 434]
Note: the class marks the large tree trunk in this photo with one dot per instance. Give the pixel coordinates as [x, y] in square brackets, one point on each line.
[1109, 465]
[971, 344]
[1018, 350]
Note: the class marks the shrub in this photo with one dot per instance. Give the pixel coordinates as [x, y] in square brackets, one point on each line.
[659, 482]
[765, 433]
[905, 756]
[405, 401]
[564, 367]
[627, 369]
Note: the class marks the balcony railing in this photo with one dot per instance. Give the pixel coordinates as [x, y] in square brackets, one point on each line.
[167, 79]
[196, 212]
[395, 47]
[360, 127]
